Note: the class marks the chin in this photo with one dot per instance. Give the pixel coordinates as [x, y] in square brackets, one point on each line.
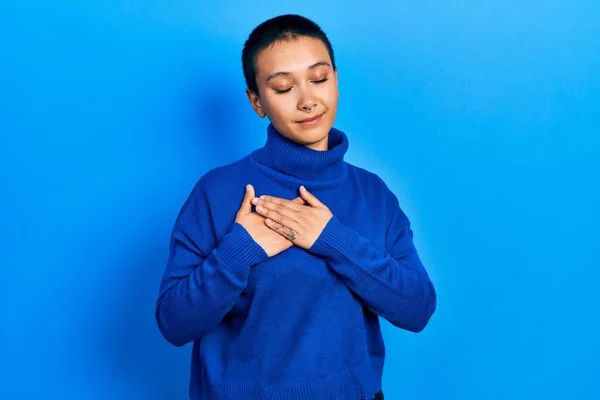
[310, 136]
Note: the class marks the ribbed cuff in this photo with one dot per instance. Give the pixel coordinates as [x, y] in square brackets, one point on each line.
[238, 251]
[336, 241]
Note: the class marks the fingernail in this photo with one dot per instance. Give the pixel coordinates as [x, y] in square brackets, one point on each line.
[247, 188]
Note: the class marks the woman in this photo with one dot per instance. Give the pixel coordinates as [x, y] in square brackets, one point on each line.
[281, 295]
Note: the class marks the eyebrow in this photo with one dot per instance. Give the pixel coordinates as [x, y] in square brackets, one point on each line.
[283, 73]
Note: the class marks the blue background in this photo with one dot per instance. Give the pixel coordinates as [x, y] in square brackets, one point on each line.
[481, 117]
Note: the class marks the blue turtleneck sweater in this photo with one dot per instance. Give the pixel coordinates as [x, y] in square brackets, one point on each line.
[303, 324]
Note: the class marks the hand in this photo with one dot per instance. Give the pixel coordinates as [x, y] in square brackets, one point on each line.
[300, 224]
[271, 242]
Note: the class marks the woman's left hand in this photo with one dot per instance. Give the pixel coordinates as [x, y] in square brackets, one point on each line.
[299, 223]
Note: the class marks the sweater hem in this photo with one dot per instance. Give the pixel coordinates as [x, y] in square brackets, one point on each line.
[354, 384]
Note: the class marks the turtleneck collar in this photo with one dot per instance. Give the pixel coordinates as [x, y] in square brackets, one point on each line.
[296, 160]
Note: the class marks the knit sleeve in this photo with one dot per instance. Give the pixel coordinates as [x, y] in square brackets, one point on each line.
[202, 281]
[392, 283]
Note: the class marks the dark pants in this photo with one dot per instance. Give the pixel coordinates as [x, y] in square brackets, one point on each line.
[378, 395]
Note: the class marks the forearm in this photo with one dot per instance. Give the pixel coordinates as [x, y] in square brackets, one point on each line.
[396, 288]
[196, 293]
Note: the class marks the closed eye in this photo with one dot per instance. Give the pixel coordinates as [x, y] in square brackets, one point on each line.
[282, 91]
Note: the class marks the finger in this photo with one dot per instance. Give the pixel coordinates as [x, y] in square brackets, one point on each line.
[309, 197]
[299, 200]
[285, 231]
[278, 208]
[283, 216]
[292, 205]
[247, 202]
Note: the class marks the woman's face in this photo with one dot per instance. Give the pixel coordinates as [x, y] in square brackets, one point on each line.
[298, 90]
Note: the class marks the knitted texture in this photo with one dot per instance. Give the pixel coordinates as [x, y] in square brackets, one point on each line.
[303, 324]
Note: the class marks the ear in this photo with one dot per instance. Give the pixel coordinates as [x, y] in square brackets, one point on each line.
[255, 103]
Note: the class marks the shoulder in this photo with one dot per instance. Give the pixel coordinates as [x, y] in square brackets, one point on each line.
[365, 175]
[372, 183]
[223, 182]
[378, 191]
[220, 180]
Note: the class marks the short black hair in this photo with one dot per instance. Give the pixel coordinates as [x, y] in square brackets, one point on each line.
[283, 27]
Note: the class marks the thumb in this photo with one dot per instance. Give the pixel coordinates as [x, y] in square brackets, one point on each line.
[246, 206]
[299, 200]
[310, 198]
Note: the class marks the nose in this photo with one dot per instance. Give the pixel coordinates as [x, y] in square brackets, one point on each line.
[307, 101]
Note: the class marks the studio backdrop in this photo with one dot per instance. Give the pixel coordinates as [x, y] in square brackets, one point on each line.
[482, 117]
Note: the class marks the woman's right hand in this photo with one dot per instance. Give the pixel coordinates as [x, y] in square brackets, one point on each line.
[272, 242]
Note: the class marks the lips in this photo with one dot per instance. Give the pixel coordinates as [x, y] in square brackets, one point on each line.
[311, 120]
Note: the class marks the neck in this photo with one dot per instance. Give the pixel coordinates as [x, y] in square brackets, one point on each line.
[321, 145]
[306, 163]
